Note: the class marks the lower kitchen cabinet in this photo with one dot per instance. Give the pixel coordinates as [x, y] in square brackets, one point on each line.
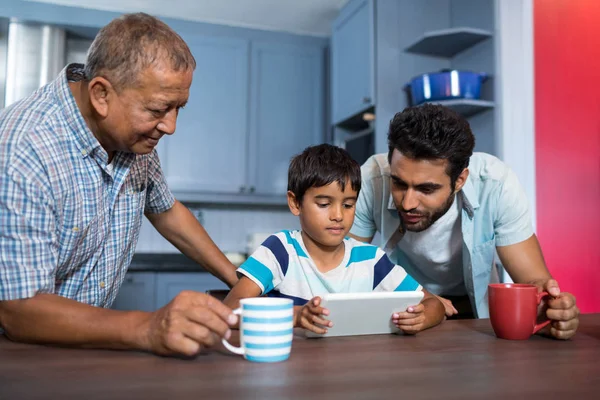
[148, 291]
[170, 284]
[137, 292]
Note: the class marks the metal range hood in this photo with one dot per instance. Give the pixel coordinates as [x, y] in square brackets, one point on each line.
[35, 54]
[3, 51]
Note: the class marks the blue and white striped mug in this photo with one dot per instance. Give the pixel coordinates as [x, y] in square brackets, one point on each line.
[266, 329]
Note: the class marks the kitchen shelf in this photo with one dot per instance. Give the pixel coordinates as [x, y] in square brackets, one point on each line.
[466, 107]
[448, 42]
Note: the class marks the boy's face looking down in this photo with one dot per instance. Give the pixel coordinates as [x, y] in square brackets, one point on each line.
[326, 214]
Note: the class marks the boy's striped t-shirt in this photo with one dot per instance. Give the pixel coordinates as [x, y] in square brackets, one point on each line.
[281, 267]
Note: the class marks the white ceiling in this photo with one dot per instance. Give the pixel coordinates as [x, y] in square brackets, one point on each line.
[306, 17]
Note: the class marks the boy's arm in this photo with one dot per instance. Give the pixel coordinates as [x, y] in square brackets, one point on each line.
[243, 289]
[428, 313]
[434, 310]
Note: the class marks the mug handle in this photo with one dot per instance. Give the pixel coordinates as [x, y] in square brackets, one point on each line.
[239, 350]
[539, 326]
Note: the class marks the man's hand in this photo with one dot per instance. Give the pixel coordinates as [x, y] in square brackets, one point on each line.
[310, 317]
[412, 320]
[189, 323]
[525, 264]
[449, 308]
[560, 308]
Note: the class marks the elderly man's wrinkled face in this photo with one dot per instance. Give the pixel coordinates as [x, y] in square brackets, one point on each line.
[140, 115]
[422, 190]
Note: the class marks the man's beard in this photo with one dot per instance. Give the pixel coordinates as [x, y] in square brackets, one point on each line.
[429, 219]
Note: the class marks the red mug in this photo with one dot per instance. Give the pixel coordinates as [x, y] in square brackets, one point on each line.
[513, 310]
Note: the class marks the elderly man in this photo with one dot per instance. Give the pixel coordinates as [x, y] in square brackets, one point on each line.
[78, 169]
[443, 212]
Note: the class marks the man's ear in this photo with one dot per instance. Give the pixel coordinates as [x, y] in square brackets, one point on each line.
[293, 203]
[461, 180]
[101, 92]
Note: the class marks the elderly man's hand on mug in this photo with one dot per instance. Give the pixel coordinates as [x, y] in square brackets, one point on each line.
[560, 308]
[190, 322]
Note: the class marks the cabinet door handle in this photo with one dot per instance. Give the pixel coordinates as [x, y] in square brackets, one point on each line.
[366, 99]
[242, 189]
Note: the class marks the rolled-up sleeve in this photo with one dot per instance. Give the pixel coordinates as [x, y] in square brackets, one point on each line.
[364, 223]
[158, 196]
[28, 242]
[512, 223]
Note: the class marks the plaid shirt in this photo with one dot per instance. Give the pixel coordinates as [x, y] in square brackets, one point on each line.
[69, 222]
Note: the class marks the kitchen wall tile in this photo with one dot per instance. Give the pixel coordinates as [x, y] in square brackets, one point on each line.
[229, 227]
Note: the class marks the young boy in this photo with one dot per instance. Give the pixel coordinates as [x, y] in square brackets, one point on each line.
[323, 186]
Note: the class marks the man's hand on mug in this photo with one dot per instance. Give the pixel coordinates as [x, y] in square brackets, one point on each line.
[189, 323]
[449, 308]
[560, 308]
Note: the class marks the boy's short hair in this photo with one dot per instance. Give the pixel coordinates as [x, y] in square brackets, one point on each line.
[319, 166]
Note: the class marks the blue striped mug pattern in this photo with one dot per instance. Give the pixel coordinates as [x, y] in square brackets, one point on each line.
[266, 329]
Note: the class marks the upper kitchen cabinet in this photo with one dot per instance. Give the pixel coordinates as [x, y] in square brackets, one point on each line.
[248, 113]
[352, 60]
[208, 152]
[286, 103]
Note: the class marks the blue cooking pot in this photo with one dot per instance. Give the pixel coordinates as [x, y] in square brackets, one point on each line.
[445, 85]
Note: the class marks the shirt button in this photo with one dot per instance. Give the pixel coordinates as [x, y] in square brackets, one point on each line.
[75, 229]
[102, 284]
[84, 152]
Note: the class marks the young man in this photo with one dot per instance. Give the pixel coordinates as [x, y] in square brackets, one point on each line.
[78, 170]
[323, 186]
[443, 213]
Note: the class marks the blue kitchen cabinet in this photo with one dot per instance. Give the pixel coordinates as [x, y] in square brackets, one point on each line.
[286, 110]
[208, 152]
[138, 292]
[353, 60]
[248, 113]
[170, 284]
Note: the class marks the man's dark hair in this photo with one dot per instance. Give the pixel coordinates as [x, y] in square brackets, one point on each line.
[319, 166]
[430, 132]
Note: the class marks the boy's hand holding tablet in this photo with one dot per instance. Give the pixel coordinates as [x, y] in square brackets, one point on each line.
[311, 317]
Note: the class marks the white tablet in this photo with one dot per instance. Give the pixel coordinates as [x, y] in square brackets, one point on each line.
[365, 313]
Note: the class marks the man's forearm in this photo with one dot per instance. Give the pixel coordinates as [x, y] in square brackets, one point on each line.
[52, 319]
[180, 227]
[524, 261]
[205, 252]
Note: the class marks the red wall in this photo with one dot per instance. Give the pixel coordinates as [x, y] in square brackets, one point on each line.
[567, 119]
